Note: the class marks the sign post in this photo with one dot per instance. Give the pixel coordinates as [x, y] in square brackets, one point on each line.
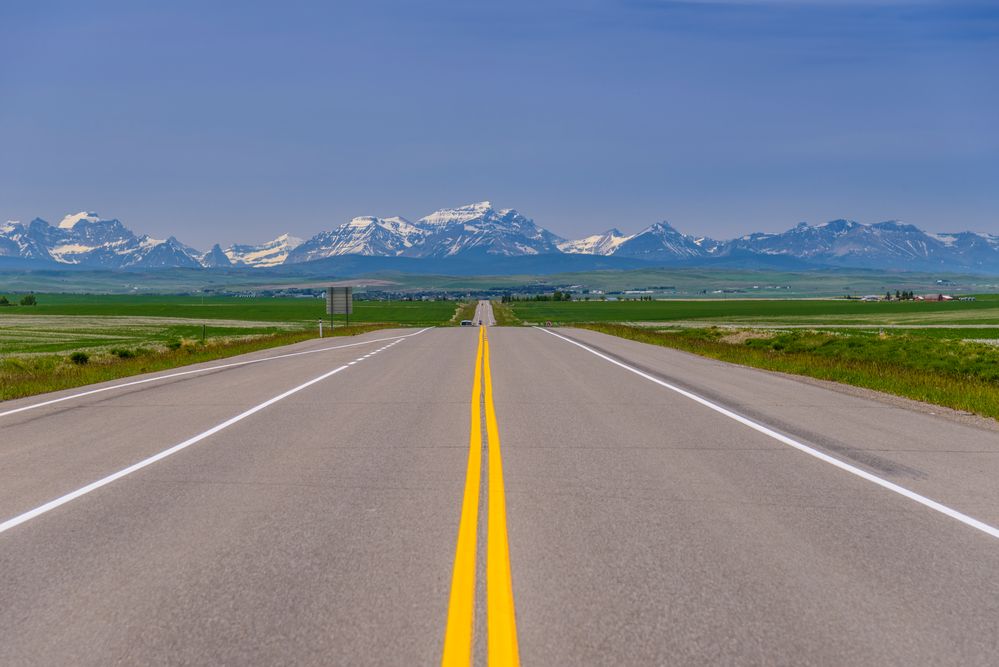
[339, 301]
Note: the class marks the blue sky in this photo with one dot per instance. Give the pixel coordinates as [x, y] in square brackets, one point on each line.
[237, 121]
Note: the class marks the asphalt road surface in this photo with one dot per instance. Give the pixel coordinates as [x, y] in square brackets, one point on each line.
[484, 314]
[645, 507]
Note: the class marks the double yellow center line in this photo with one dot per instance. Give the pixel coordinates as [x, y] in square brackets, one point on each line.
[501, 625]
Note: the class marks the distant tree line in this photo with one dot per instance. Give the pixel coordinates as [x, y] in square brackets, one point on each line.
[26, 300]
[557, 295]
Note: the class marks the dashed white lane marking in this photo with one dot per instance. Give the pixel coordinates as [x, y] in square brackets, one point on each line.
[62, 500]
[123, 385]
[863, 474]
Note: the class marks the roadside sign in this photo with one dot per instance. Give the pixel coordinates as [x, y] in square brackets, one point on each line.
[339, 300]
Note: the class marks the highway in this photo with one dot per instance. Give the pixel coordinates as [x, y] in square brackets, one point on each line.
[487, 495]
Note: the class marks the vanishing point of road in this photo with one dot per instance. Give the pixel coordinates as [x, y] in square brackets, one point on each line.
[487, 495]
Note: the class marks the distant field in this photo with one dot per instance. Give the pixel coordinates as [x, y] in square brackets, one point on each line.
[413, 313]
[68, 322]
[40, 334]
[116, 336]
[686, 282]
[818, 312]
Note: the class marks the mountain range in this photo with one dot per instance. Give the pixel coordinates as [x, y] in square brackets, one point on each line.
[479, 235]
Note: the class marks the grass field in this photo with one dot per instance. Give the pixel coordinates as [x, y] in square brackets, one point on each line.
[504, 315]
[116, 336]
[465, 311]
[956, 374]
[681, 282]
[286, 310]
[67, 322]
[827, 312]
[938, 352]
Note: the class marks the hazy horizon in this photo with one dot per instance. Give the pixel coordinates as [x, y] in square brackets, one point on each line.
[723, 118]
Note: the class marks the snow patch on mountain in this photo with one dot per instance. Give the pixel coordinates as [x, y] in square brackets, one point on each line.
[271, 253]
[597, 244]
[947, 239]
[462, 214]
[69, 253]
[83, 216]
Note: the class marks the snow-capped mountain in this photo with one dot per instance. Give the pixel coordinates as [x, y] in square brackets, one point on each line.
[475, 228]
[662, 241]
[803, 241]
[480, 231]
[29, 241]
[215, 258]
[271, 253]
[598, 244]
[976, 250]
[883, 245]
[890, 244]
[88, 240]
[365, 235]
[481, 228]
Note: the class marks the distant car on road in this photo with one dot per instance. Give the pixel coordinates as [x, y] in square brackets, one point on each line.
[480, 323]
[466, 323]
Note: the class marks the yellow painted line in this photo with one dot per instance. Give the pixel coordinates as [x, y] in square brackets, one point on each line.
[501, 620]
[501, 624]
[461, 607]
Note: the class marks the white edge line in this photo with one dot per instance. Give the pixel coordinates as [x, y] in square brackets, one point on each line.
[202, 370]
[62, 500]
[863, 474]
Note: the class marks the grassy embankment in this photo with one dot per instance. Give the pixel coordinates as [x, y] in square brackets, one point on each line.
[73, 340]
[935, 365]
[28, 375]
[504, 315]
[464, 311]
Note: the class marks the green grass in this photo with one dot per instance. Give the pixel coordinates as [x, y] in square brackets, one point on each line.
[928, 359]
[504, 315]
[54, 334]
[685, 282]
[70, 322]
[963, 376]
[465, 311]
[264, 309]
[125, 335]
[790, 311]
[29, 375]
[939, 333]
